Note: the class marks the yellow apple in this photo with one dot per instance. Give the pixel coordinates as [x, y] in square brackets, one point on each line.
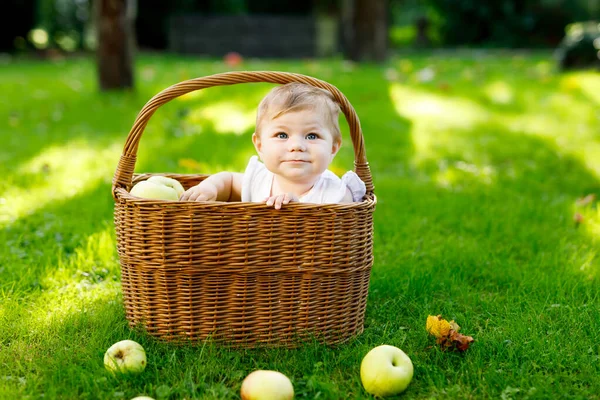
[125, 357]
[158, 188]
[170, 182]
[386, 371]
[267, 385]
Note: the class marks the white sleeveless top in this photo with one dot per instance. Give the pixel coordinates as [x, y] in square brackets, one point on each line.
[258, 181]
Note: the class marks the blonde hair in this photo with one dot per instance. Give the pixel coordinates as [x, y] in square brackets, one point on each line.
[298, 97]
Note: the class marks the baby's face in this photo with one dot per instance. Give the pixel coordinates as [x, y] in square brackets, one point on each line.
[298, 146]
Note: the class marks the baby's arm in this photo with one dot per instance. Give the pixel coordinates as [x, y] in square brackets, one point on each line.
[223, 186]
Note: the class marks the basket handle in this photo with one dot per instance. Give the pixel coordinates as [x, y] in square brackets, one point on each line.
[124, 173]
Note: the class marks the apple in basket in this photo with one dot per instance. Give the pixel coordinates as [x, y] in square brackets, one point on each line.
[386, 371]
[158, 188]
[125, 357]
[267, 385]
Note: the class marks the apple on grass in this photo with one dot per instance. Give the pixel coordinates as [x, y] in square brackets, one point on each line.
[386, 371]
[158, 188]
[267, 385]
[125, 357]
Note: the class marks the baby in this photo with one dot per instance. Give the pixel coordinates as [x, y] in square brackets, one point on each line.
[297, 136]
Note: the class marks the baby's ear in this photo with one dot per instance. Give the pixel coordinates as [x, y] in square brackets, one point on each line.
[335, 147]
[256, 141]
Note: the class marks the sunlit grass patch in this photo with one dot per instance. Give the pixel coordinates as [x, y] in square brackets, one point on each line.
[587, 82]
[499, 92]
[460, 171]
[224, 117]
[566, 123]
[76, 292]
[435, 111]
[57, 173]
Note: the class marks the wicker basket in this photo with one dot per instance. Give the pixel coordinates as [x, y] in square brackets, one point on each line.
[243, 274]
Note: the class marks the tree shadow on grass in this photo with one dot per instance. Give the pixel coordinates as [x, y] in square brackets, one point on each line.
[44, 240]
[59, 353]
[525, 201]
[388, 143]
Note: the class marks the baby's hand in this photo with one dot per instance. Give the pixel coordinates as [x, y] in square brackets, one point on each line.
[200, 192]
[280, 199]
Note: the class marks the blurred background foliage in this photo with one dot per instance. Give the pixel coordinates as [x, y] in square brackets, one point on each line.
[490, 23]
[67, 25]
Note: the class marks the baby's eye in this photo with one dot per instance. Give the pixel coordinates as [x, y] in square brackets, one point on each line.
[281, 135]
[312, 136]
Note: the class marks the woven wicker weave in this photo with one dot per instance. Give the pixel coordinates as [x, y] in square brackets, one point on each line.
[243, 274]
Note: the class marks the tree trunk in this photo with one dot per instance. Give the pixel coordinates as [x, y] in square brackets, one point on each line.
[116, 42]
[366, 29]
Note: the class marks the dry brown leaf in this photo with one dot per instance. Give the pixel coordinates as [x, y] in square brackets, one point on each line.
[460, 341]
[446, 333]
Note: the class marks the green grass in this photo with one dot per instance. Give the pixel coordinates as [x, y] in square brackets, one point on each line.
[477, 173]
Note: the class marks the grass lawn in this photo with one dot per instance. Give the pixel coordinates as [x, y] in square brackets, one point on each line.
[478, 160]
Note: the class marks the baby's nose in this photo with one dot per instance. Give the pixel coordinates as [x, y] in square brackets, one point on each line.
[297, 144]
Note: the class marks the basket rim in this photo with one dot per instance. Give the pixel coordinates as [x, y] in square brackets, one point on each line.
[123, 195]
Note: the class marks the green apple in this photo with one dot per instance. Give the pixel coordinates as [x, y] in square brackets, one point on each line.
[267, 385]
[158, 188]
[386, 371]
[125, 357]
[170, 182]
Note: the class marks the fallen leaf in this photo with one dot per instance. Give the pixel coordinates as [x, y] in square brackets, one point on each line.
[437, 326]
[584, 201]
[446, 333]
[460, 341]
[190, 164]
[454, 326]
[444, 87]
